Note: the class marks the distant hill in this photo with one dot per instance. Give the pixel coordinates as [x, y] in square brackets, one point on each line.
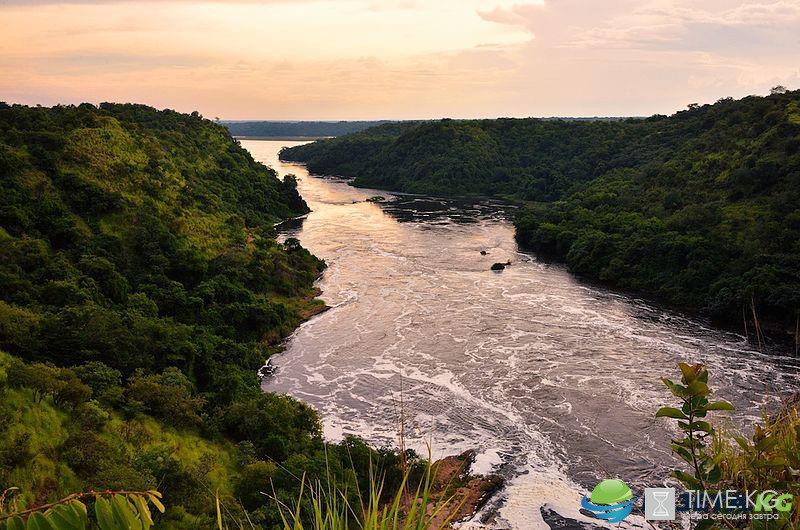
[308, 129]
[700, 209]
[329, 129]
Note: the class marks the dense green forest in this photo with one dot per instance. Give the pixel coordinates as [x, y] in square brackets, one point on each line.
[700, 209]
[312, 129]
[141, 287]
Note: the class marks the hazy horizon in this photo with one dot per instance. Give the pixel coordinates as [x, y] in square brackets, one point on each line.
[359, 60]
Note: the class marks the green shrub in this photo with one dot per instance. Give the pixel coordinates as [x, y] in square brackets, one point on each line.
[255, 483]
[91, 416]
[717, 460]
[46, 380]
[168, 396]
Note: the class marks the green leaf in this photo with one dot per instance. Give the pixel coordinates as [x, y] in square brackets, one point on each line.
[685, 426]
[688, 372]
[219, 512]
[154, 496]
[105, 517]
[37, 521]
[682, 452]
[719, 405]
[765, 444]
[15, 523]
[144, 511]
[676, 389]
[715, 474]
[124, 514]
[686, 478]
[68, 517]
[698, 388]
[702, 426]
[80, 511]
[778, 461]
[671, 412]
[718, 457]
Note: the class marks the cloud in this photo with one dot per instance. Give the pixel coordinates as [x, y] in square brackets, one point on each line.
[108, 2]
[748, 28]
[332, 59]
[90, 63]
[516, 15]
[751, 14]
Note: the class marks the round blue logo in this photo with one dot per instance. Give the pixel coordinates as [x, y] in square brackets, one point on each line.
[611, 500]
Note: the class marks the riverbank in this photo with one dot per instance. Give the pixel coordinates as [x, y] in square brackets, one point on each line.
[697, 210]
[456, 494]
[549, 379]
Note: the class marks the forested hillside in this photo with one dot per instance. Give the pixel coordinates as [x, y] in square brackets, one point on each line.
[141, 288]
[699, 209]
[282, 129]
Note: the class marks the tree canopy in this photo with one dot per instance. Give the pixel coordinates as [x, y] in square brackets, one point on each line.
[141, 288]
[698, 209]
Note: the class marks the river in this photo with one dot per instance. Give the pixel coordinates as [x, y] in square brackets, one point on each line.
[553, 380]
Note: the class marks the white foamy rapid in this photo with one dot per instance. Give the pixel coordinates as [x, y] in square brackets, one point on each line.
[552, 380]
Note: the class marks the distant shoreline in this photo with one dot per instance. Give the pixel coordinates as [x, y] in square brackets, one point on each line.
[284, 138]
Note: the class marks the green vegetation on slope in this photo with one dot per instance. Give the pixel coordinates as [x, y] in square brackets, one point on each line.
[141, 288]
[282, 129]
[700, 209]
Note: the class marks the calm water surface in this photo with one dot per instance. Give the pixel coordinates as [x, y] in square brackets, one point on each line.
[552, 380]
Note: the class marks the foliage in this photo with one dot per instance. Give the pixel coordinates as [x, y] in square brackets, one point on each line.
[283, 129]
[698, 209]
[112, 511]
[61, 384]
[141, 288]
[768, 460]
[718, 460]
[693, 392]
[325, 504]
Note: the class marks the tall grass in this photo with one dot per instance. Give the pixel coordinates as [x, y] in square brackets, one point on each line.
[769, 460]
[325, 505]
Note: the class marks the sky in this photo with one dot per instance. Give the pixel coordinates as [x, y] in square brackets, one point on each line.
[397, 59]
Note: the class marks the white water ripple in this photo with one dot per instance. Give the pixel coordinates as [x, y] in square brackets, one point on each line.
[553, 381]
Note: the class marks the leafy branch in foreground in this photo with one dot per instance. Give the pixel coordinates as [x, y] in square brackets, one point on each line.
[697, 432]
[719, 460]
[112, 510]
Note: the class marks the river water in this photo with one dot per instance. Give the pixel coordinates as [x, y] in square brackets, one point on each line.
[554, 381]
